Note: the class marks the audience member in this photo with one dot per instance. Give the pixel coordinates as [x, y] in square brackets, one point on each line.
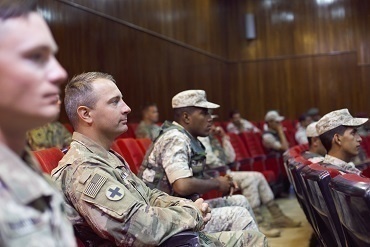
[114, 207]
[316, 151]
[274, 139]
[253, 185]
[31, 209]
[300, 134]
[338, 134]
[175, 164]
[148, 127]
[52, 134]
[314, 113]
[238, 125]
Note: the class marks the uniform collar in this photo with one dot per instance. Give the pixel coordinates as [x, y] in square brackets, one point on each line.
[337, 162]
[22, 177]
[96, 149]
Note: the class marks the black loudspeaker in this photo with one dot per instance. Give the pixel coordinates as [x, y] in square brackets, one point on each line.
[250, 27]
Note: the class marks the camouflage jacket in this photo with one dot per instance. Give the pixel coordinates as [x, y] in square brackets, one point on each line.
[144, 130]
[340, 165]
[115, 208]
[174, 154]
[31, 210]
[50, 135]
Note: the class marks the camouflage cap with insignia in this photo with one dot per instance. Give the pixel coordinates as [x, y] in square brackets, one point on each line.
[337, 118]
[195, 98]
[311, 130]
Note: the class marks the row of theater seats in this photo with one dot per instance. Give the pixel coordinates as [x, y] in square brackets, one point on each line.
[337, 206]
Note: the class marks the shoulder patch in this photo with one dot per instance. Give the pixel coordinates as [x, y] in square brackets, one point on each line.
[114, 193]
[95, 185]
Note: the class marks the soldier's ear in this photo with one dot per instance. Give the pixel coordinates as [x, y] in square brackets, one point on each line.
[186, 117]
[337, 139]
[84, 114]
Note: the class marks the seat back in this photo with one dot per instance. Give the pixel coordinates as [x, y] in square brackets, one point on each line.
[316, 181]
[253, 143]
[240, 150]
[351, 194]
[131, 151]
[48, 158]
[144, 143]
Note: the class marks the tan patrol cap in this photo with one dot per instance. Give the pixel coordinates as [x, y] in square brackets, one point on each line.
[311, 130]
[273, 116]
[195, 98]
[337, 118]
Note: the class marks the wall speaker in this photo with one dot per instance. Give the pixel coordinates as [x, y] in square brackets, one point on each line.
[250, 26]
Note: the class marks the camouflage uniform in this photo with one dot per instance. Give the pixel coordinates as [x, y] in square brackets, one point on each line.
[115, 208]
[31, 210]
[245, 126]
[271, 141]
[144, 130]
[50, 135]
[176, 154]
[252, 184]
[342, 166]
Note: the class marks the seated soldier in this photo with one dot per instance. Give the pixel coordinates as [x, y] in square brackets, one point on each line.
[300, 134]
[175, 163]
[148, 127]
[53, 134]
[338, 134]
[238, 125]
[274, 139]
[252, 184]
[316, 151]
[112, 206]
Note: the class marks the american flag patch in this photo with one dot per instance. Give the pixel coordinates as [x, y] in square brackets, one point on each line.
[95, 185]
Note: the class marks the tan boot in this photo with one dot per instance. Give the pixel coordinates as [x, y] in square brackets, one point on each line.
[280, 220]
[264, 226]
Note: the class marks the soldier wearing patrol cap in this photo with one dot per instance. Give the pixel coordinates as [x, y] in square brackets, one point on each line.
[175, 163]
[112, 206]
[316, 151]
[31, 209]
[338, 134]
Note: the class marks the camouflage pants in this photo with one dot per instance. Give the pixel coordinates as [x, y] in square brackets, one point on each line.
[233, 239]
[254, 187]
[230, 214]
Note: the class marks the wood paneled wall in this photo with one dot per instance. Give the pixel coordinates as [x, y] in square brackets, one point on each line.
[307, 52]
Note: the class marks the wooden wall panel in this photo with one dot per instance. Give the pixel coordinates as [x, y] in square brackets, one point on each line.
[155, 49]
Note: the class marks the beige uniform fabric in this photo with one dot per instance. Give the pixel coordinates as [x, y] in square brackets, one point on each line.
[31, 210]
[342, 165]
[115, 208]
[253, 185]
[172, 151]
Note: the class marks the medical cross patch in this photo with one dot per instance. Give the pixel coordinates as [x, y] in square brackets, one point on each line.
[114, 193]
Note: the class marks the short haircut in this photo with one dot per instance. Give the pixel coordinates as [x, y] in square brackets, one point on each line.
[147, 105]
[309, 141]
[327, 137]
[16, 8]
[303, 117]
[232, 113]
[177, 112]
[78, 92]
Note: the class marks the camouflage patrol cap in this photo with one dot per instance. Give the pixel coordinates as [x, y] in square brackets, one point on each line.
[195, 98]
[311, 130]
[337, 118]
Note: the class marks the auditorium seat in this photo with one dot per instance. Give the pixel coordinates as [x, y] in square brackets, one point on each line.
[316, 180]
[69, 127]
[351, 194]
[253, 143]
[48, 158]
[131, 152]
[144, 143]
